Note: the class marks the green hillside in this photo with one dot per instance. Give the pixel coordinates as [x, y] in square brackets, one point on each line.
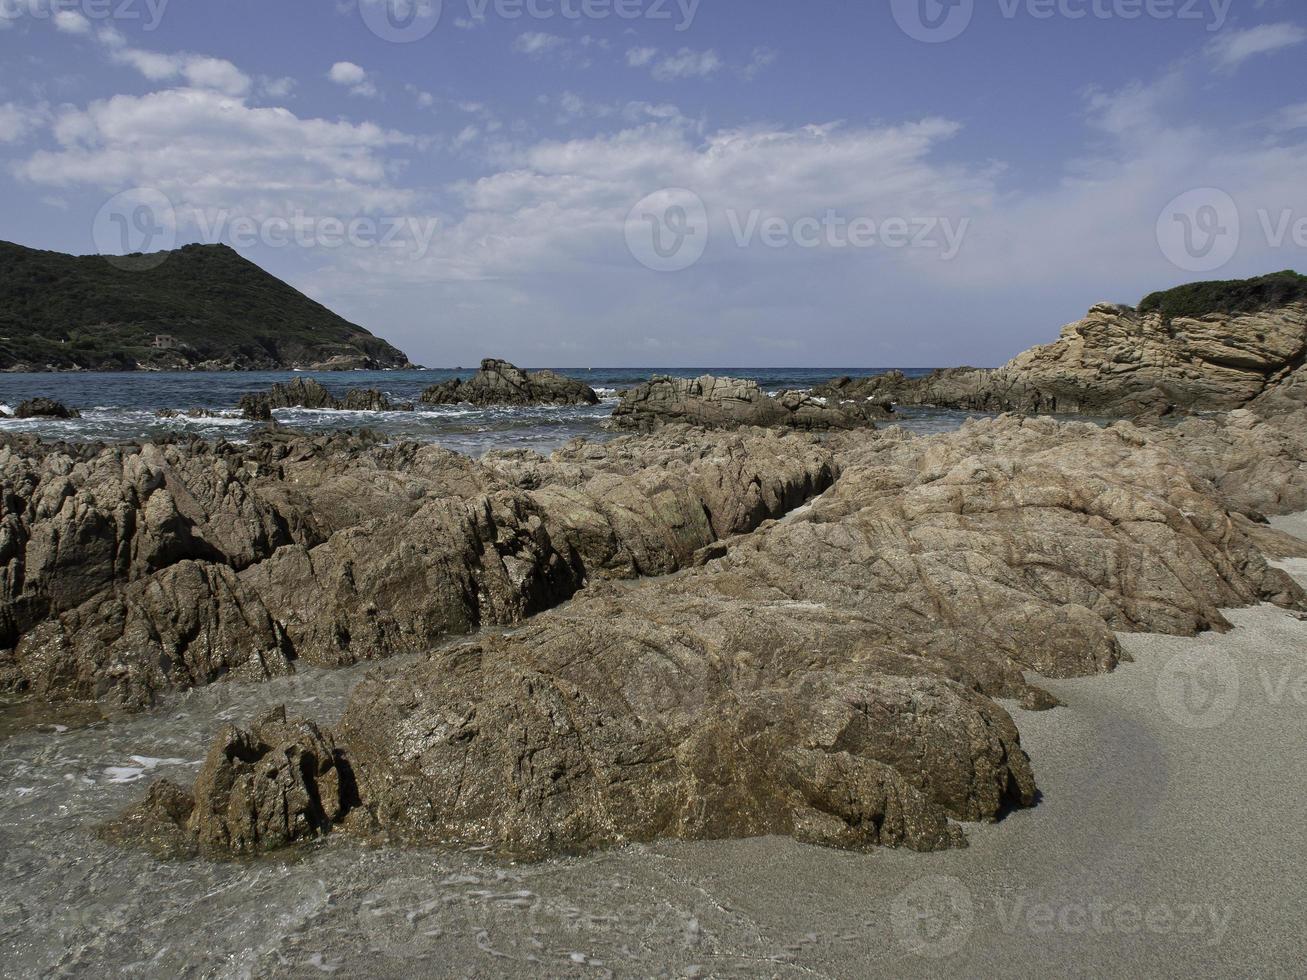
[203, 306]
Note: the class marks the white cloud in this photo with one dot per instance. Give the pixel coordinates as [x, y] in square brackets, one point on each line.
[197, 70]
[685, 63]
[17, 122]
[207, 150]
[538, 43]
[354, 78]
[71, 22]
[1232, 49]
[347, 73]
[639, 57]
[759, 61]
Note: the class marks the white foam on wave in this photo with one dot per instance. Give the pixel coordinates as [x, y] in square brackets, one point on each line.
[144, 764]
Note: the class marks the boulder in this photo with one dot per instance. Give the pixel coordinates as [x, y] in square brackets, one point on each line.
[277, 783]
[500, 383]
[45, 408]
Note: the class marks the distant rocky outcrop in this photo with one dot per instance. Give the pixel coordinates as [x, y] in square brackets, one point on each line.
[501, 383]
[45, 408]
[308, 393]
[198, 308]
[1202, 347]
[725, 403]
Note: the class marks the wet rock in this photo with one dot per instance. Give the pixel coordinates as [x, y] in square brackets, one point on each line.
[45, 408]
[308, 393]
[273, 785]
[260, 789]
[501, 383]
[724, 403]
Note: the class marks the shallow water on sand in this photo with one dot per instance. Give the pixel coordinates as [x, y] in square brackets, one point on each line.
[1159, 848]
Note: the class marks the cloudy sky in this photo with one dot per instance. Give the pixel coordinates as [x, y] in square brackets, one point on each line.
[672, 182]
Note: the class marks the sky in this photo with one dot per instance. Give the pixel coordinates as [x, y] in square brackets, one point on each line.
[672, 183]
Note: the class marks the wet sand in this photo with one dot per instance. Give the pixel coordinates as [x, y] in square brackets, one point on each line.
[1169, 841]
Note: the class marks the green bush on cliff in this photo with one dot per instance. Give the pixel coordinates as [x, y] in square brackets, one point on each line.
[1233, 296]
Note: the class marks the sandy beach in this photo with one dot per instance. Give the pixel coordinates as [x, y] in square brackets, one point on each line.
[1168, 842]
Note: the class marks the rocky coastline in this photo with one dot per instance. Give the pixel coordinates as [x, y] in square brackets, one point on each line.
[753, 616]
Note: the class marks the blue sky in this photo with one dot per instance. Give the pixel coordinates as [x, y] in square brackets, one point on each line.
[720, 182]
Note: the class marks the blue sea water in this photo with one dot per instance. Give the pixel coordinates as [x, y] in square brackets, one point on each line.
[122, 406]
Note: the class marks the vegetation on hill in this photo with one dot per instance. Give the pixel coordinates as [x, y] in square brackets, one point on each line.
[1233, 296]
[202, 306]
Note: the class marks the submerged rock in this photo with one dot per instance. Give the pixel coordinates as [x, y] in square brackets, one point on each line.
[501, 383]
[725, 403]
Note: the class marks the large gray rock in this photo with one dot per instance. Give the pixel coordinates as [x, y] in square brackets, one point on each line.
[726, 403]
[501, 383]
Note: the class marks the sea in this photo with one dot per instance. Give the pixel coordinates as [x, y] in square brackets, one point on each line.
[124, 406]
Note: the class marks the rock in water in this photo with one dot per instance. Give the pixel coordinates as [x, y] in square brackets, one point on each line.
[261, 789]
[45, 408]
[725, 403]
[500, 383]
[308, 393]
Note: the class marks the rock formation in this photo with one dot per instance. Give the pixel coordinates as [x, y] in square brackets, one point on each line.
[130, 571]
[308, 393]
[500, 383]
[1203, 347]
[45, 408]
[829, 675]
[261, 789]
[725, 403]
